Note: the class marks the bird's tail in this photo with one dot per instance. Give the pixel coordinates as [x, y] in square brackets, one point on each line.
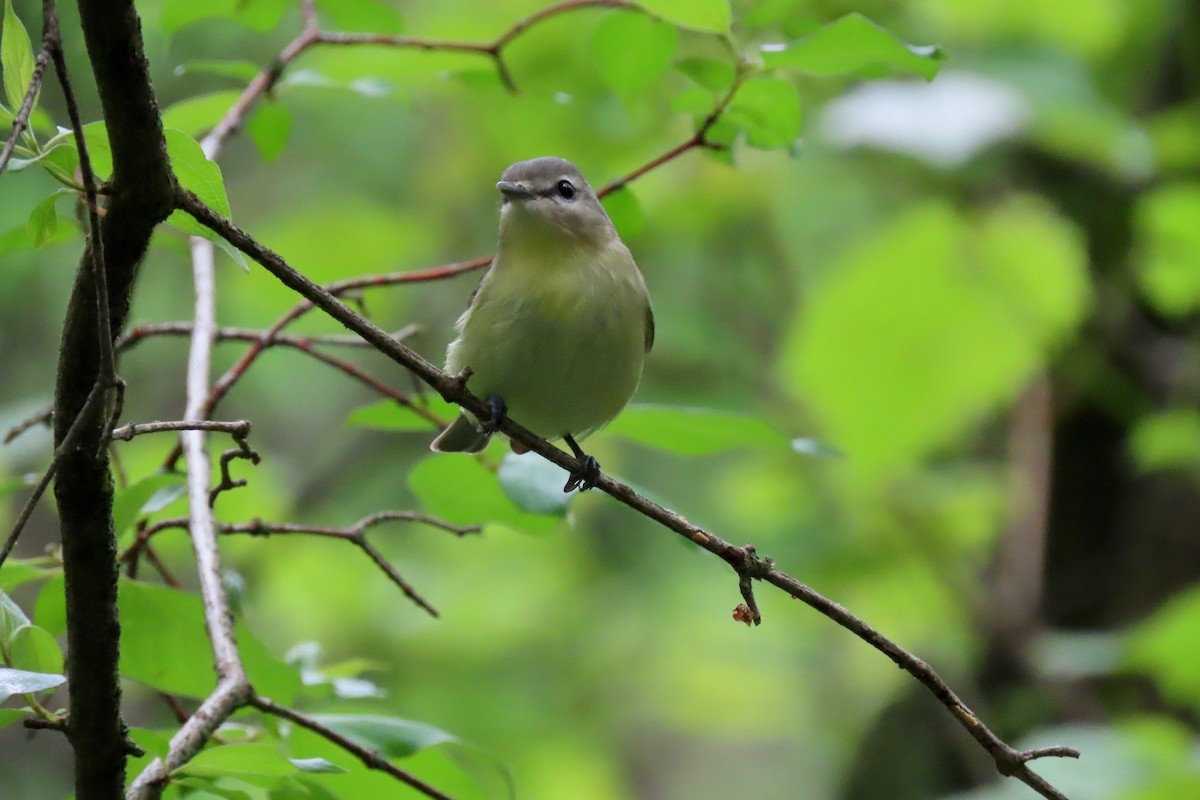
[460, 437]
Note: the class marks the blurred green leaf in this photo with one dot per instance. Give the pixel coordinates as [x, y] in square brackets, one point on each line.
[146, 496]
[854, 45]
[391, 737]
[50, 610]
[625, 211]
[534, 484]
[711, 73]
[768, 110]
[365, 16]
[152, 615]
[1165, 647]
[692, 100]
[239, 760]
[195, 116]
[388, 415]
[1169, 273]
[35, 650]
[11, 715]
[240, 71]
[17, 571]
[16, 58]
[704, 15]
[693, 431]
[95, 136]
[16, 681]
[43, 219]
[631, 49]
[258, 15]
[459, 489]
[270, 128]
[1167, 440]
[316, 765]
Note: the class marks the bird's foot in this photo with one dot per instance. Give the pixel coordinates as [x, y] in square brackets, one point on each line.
[587, 474]
[499, 414]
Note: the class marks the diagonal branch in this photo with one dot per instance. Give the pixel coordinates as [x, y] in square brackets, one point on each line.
[743, 560]
[21, 121]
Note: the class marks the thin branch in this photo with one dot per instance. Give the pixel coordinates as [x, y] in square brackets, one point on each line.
[139, 333]
[370, 758]
[68, 443]
[743, 560]
[41, 417]
[239, 429]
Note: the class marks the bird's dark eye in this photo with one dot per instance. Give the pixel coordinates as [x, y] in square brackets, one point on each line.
[566, 190]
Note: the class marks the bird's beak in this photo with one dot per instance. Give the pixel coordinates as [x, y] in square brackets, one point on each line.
[514, 191]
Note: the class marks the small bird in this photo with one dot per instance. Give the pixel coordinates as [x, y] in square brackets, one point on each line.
[558, 329]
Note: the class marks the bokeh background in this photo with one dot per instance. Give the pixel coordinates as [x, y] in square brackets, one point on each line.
[972, 303]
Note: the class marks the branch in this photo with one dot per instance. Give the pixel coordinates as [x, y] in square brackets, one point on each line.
[370, 758]
[743, 560]
[41, 417]
[239, 429]
[21, 121]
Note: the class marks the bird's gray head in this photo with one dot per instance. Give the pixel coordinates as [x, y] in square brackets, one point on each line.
[548, 199]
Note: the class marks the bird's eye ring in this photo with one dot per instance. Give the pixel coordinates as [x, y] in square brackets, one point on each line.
[566, 190]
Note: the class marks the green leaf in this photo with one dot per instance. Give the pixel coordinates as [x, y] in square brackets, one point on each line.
[239, 760]
[371, 16]
[1169, 271]
[768, 110]
[16, 58]
[1167, 440]
[1165, 646]
[240, 71]
[534, 484]
[392, 737]
[631, 49]
[50, 610]
[625, 211]
[703, 15]
[198, 115]
[692, 100]
[711, 73]
[270, 128]
[316, 765]
[10, 715]
[34, 649]
[152, 615]
[388, 415]
[43, 219]
[16, 681]
[693, 431]
[18, 571]
[95, 137]
[461, 490]
[196, 172]
[854, 45]
[258, 15]
[11, 618]
[146, 496]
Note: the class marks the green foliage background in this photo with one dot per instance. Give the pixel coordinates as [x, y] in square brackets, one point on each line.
[899, 311]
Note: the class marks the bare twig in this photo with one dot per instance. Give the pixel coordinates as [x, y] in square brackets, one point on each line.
[369, 757]
[41, 417]
[239, 429]
[743, 560]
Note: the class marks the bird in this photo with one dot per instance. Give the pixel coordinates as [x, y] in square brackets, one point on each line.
[557, 332]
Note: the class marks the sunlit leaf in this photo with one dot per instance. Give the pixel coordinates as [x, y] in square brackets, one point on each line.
[625, 211]
[269, 128]
[16, 58]
[239, 760]
[630, 49]
[1167, 440]
[711, 73]
[854, 45]
[768, 110]
[1165, 646]
[369, 16]
[461, 490]
[197, 115]
[197, 173]
[258, 15]
[705, 15]
[152, 615]
[693, 431]
[388, 415]
[34, 649]
[16, 681]
[95, 137]
[146, 496]
[1169, 273]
